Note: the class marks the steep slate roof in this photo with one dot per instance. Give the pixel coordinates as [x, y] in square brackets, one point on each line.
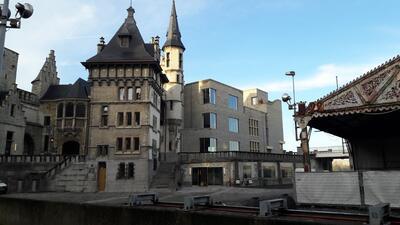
[80, 89]
[137, 51]
[173, 34]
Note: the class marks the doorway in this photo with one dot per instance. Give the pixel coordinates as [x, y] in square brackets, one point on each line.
[70, 148]
[29, 146]
[101, 176]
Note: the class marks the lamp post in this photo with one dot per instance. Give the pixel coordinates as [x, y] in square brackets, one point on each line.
[23, 11]
[304, 137]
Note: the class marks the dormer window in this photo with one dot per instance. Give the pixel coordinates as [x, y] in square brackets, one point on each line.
[124, 41]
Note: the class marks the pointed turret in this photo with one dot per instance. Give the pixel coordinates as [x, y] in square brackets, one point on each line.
[173, 33]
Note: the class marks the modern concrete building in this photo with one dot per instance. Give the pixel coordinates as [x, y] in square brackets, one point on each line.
[226, 120]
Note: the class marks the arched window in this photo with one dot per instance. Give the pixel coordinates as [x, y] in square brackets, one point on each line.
[60, 110]
[69, 109]
[80, 110]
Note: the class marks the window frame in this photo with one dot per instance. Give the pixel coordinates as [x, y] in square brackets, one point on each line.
[236, 102]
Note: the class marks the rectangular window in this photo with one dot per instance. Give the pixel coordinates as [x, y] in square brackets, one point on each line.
[253, 127]
[167, 60]
[121, 171]
[136, 146]
[137, 118]
[46, 121]
[121, 93]
[269, 171]
[12, 110]
[155, 122]
[129, 119]
[128, 143]
[155, 98]
[119, 144]
[233, 102]
[138, 93]
[210, 120]
[208, 145]
[130, 93]
[209, 95]
[170, 145]
[254, 146]
[254, 100]
[104, 116]
[233, 146]
[171, 106]
[180, 60]
[247, 171]
[120, 119]
[178, 78]
[286, 172]
[131, 170]
[233, 125]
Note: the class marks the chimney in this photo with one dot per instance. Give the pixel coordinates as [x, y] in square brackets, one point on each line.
[156, 44]
[100, 45]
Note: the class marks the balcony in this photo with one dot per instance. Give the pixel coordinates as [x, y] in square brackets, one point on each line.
[197, 157]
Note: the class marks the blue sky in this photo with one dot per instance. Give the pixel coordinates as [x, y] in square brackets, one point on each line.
[245, 44]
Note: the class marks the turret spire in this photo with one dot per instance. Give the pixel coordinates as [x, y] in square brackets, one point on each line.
[173, 33]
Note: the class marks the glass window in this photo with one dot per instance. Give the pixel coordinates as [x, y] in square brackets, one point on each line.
[60, 110]
[286, 172]
[129, 119]
[233, 125]
[269, 171]
[80, 110]
[136, 144]
[69, 110]
[119, 144]
[233, 102]
[120, 119]
[254, 146]
[254, 100]
[121, 171]
[128, 143]
[131, 170]
[168, 59]
[246, 171]
[210, 120]
[180, 60]
[253, 127]
[138, 93]
[209, 96]
[208, 145]
[104, 116]
[121, 93]
[233, 146]
[130, 93]
[12, 110]
[137, 118]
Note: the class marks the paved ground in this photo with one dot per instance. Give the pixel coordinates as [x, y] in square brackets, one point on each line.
[227, 195]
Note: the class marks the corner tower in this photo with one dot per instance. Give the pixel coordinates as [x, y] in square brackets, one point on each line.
[172, 64]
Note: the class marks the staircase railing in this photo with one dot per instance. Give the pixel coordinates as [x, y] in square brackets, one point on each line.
[63, 164]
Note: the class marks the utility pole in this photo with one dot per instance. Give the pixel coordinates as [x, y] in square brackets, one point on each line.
[3, 27]
[23, 11]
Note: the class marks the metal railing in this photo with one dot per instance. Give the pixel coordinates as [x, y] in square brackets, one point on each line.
[226, 156]
[63, 164]
[30, 158]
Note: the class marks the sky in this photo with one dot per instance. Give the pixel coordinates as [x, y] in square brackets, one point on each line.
[245, 44]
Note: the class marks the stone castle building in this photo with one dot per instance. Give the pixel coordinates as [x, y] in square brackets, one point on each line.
[134, 124]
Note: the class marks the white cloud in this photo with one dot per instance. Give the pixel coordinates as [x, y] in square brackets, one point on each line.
[325, 76]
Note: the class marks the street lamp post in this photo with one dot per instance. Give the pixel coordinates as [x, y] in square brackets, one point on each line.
[23, 11]
[304, 137]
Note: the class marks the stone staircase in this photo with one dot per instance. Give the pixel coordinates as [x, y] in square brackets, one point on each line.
[165, 176]
[77, 177]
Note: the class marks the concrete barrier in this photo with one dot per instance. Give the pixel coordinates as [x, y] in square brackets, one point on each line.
[33, 212]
